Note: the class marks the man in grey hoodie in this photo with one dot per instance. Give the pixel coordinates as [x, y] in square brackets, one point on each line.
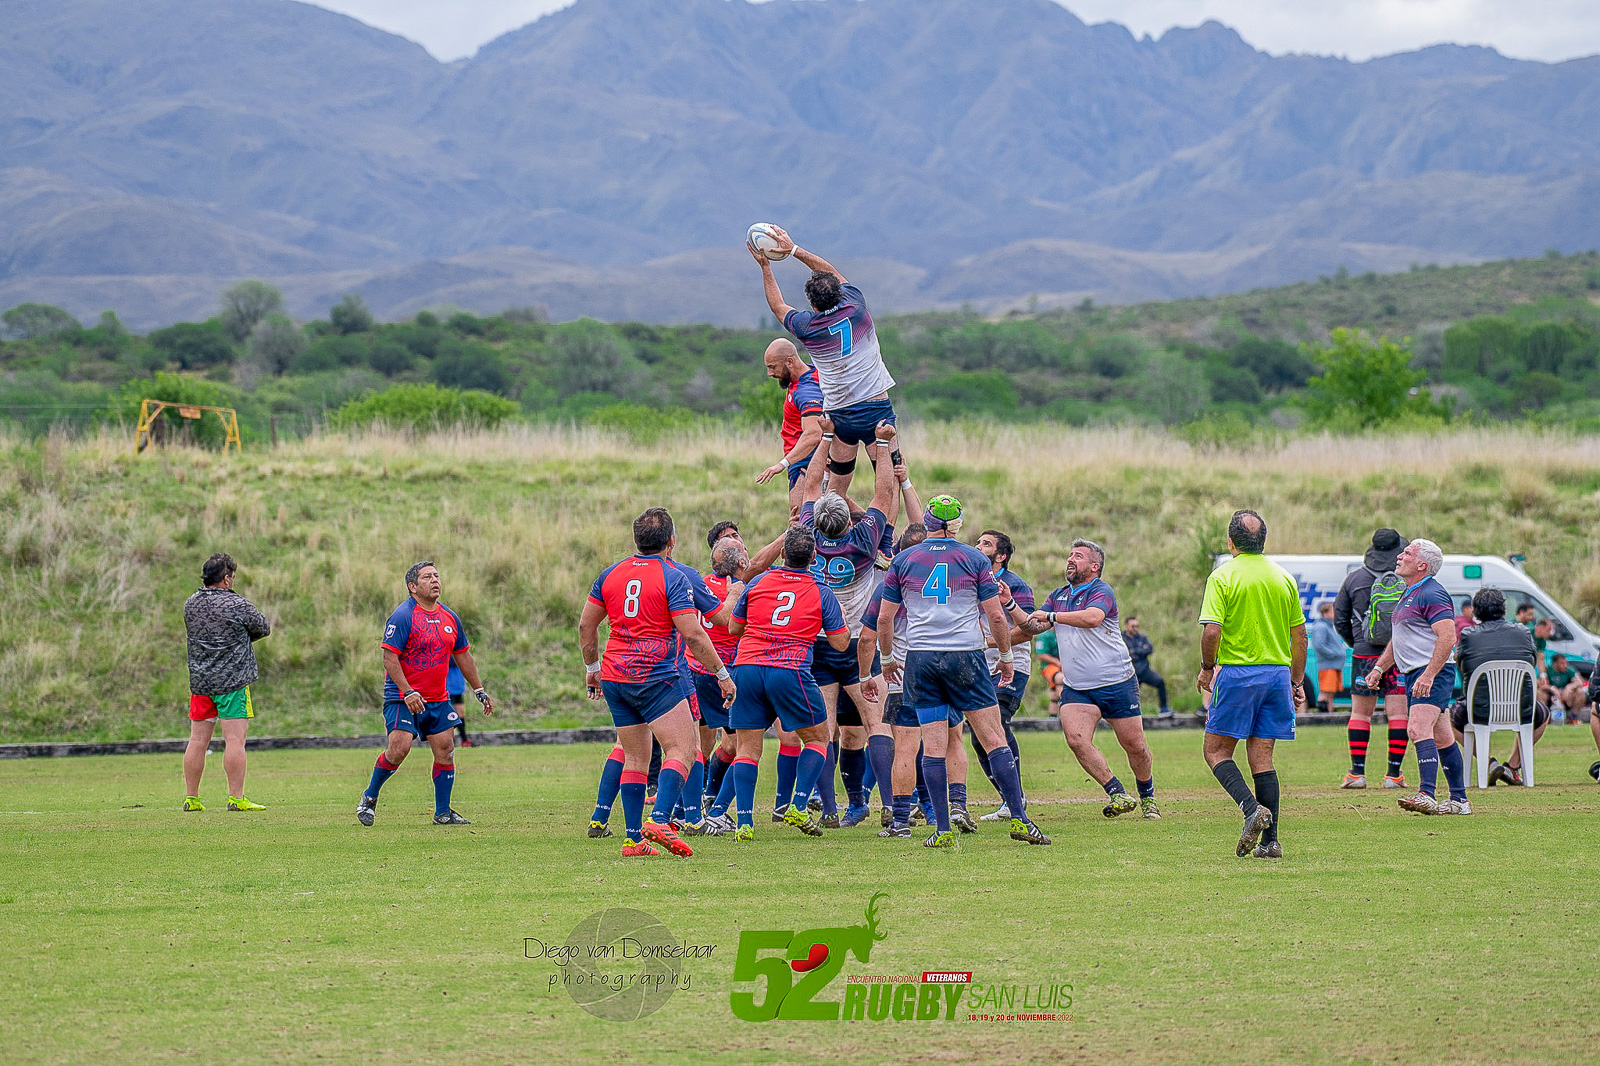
[1350, 619]
[222, 625]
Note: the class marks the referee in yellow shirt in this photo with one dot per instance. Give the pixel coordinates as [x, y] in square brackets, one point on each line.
[1252, 661]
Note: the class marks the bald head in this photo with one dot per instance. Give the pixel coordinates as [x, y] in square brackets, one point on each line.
[784, 364]
[1247, 532]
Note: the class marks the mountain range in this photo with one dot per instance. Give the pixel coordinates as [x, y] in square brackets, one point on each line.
[606, 159]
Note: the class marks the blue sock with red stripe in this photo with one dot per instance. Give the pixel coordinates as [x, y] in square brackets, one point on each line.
[716, 770]
[694, 791]
[382, 770]
[1008, 779]
[813, 760]
[933, 772]
[444, 779]
[725, 793]
[788, 760]
[669, 787]
[610, 783]
[633, 804]
[744, 789]
[825, 779]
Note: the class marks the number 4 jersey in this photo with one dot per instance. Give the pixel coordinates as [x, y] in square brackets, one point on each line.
[784, 612]
[939, 584]
[641, 595]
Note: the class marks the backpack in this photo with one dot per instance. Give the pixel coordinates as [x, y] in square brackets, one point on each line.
[1378, 626]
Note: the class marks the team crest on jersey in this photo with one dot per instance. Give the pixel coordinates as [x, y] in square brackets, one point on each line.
[390, 632]
[448, 631]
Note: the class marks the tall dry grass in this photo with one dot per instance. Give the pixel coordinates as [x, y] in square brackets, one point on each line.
[99, 547]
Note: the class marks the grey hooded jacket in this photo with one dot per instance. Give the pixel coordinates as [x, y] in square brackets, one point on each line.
[221, 625]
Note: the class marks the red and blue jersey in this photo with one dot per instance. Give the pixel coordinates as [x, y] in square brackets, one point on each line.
[939, 585]
[784, 612]
[726, 643]
[426, 642]
[705, 602]
[803, 400]
[641, 596]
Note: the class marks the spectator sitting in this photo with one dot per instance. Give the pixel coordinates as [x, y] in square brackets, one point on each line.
[1329, 648]
[1465, 620]
[1493, 639]
[1563, 685]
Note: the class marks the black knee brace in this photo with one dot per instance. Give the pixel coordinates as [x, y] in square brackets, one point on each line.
[846, 467]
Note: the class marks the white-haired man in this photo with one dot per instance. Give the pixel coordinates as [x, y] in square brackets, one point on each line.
[1424, 637]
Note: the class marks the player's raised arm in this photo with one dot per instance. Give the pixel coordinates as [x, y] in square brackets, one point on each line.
[810, 259]
[885, 489]
[811, 483]
[780, 310]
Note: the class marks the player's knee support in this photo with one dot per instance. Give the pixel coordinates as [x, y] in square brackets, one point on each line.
[841, 467]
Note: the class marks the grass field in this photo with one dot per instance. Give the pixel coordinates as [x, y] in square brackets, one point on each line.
[139, 934]
[100, 547]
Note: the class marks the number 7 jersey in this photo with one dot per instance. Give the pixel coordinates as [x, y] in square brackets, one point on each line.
[939, 585]
[784, 613]
[641, 595]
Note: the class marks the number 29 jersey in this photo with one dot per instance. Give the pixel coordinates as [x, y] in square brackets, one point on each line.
[939, 584]
[784, 613]
[641, 595]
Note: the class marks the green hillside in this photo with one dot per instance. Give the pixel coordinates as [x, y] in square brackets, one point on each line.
[100, 547]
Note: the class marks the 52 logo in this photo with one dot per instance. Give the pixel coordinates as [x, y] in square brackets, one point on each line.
[815, 955]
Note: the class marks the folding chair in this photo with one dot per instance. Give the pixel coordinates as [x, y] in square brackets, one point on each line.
[1506, 679]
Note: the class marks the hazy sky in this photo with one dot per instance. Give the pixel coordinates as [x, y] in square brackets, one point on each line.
[1360, 29]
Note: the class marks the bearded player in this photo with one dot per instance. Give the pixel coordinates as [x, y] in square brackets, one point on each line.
[802, 410]
[650, 607]
[420, 640]
[777, 621]
[846, 550]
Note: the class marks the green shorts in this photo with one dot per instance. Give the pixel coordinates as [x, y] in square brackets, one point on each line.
[229, 705]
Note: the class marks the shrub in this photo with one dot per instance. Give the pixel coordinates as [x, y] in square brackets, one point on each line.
[645, 425]
[425, 407]
[350, 314]
[194, 344]
[123, 408]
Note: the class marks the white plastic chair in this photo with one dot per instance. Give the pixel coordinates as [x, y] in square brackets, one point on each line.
[1506, 679]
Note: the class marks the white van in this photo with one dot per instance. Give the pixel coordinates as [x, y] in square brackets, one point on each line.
[1320, 577]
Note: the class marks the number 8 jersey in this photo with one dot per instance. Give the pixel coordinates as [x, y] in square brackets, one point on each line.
[939, 584]
[641, 595]
[784, 612]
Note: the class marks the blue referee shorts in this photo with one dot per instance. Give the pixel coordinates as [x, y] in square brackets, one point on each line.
[1252, 701]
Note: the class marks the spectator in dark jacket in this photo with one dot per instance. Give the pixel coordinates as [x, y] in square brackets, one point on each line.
[1493, 639]
[222, 625]
[1350, 618]
[1139, 651]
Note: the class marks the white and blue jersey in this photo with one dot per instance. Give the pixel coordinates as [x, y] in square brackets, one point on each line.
[1090, 658]
[939, 585]
[1419, 608]
[845, 565]
[843, 346]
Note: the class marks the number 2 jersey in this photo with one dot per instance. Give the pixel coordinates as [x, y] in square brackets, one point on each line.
[784, 613]
[939, 585]
[845, 564]
[641, 596]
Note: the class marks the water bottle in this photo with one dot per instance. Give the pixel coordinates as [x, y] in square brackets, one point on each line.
[1558, 714]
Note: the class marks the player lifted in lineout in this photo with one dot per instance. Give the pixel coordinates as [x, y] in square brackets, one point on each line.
[419, 641]
[650, 607]
[838, 334]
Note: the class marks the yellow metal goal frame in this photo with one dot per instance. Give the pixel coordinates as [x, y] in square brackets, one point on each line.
[150, 409]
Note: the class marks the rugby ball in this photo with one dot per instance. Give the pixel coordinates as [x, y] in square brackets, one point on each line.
[763, 240]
